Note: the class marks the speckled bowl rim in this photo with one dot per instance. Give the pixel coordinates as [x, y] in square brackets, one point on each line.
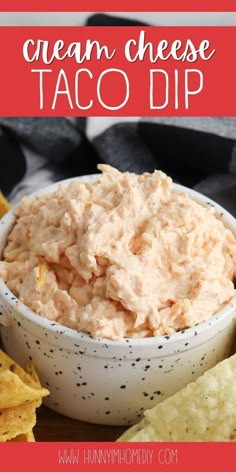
[75, 335]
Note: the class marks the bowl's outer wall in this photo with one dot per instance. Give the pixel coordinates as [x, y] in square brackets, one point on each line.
[113, 390]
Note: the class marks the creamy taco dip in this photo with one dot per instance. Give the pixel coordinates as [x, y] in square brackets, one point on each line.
[124, 256]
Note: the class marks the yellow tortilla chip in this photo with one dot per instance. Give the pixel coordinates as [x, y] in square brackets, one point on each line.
[6, 363]
[20, 394]
[202, 411]
[4, 205]
[25, 437]
[30, 369]
[16, 421]
[14, 392]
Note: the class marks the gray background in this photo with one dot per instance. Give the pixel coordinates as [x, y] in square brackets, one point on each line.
[78, 18]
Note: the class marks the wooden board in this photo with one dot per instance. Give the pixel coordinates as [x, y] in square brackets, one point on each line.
[54, 427]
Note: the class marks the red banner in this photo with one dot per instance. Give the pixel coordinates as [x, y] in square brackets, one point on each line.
[121, 5]
[131, 71]
[125, 457]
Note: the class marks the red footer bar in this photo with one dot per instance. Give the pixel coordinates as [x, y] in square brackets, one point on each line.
[177, 457]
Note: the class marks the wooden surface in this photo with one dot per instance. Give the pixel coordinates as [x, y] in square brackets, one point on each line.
[54, 427]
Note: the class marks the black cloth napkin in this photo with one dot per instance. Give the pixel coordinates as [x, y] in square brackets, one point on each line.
[196, 152]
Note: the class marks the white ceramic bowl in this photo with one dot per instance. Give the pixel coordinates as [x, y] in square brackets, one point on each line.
[111, 382]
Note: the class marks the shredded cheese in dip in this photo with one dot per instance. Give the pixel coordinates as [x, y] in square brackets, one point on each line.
[124, 256]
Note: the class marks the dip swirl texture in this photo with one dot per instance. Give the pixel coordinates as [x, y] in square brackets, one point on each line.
[123, 256]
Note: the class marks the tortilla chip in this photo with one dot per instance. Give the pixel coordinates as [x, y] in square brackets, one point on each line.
[146, 434]
[14, 392]
[202, 411]
[26, 437]
[16, 421]
[20, 394]
[6, 363]
[30, 369]
[129, 433]
[4, 205]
